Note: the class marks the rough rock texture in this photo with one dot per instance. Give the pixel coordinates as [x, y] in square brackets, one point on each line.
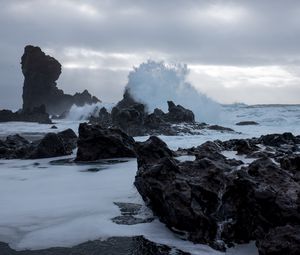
[222, 201]
[36, 114]
[132, 117]
[137, 245]
[41, 72]
[96, 142]
[280, 241]
[51, 145]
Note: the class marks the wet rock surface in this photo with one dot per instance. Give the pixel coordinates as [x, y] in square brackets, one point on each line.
[247, 123]
[133, 118]
[96, 142]
[220, 201]
[113, 246]
[41, 73]
[51, 145]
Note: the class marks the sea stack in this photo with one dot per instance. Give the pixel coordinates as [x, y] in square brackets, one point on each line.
[41, 73]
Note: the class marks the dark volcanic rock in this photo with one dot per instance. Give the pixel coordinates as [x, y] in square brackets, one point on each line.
[51, 145]
[96, 142]
[179, 114]
[41, 72]
[137, 245]
[246, 123]
[36, 114]
[212, 199]
[280, 241]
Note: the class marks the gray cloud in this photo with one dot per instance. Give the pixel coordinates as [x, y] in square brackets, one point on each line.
[229, 33]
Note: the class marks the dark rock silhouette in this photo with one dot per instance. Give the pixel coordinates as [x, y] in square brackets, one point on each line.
[41, 73]
[96, 142]
[246, 123]
[51, 145]
[36, 114]
[132, 117]
[223, 201]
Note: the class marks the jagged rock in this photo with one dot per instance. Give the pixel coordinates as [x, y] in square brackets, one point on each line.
[53, 127]
[279, 139]
[212, 199]
[36, 114]
[41, 72]
[246, 123]
[178, 114]
[51, 145]
[281, 240]
[96, 142]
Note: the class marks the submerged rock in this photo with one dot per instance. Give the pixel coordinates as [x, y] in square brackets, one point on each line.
[41, 72]
[246, 123]
[213, 200]
[96, 142]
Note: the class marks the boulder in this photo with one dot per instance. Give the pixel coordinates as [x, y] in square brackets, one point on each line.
[281, 240]
[179, 114]
[96, 142]
[41, 73]
[213, 199]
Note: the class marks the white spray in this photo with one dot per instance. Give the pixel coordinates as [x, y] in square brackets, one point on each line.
[154, 83]
[86, 111]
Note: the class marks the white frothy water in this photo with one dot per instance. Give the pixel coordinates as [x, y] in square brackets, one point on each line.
[155, 83]
[86, 111]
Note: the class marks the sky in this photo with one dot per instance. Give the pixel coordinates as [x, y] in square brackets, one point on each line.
[237, 51]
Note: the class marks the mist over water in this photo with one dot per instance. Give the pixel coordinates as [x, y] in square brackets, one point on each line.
[154, 83]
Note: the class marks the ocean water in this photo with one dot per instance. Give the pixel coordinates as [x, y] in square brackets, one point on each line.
[45, 205]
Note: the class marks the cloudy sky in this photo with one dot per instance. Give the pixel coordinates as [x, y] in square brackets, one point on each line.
[237, 51]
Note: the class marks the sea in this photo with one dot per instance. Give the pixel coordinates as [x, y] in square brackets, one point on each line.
[57, 203]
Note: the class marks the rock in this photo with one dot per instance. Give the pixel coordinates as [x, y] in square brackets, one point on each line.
[53, 127]
[36, 114]
[41, 72]
[179, 114]
[212, 199]
[246, 123]
[69, 139]
[96, 142]
[278, 139]
[220, 128]
[136, 245]
[281, 240]
[50, 146]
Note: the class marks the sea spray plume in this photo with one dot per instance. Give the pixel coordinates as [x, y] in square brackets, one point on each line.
[86, 111]
[154, 83]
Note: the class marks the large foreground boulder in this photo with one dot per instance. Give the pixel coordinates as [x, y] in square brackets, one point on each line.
[41, 73]
[219, 201]
[96, 142]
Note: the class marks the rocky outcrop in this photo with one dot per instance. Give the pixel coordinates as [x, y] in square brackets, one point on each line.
[96, 142]
[219, 201]
[132, 117]
[36, 114]
[41, 73]
[51, 145]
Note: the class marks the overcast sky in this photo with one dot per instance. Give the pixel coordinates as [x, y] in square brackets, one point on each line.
[238, 51]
